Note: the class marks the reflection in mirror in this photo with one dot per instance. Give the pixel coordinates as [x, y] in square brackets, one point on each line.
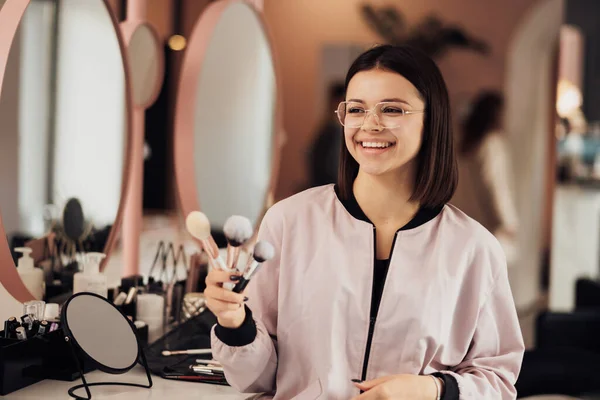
[89, 330]
[145, 62]
[234, 118]
[63, 136]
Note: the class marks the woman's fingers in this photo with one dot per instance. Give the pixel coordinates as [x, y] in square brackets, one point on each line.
[227, 296]
[227, 305]
[216, 277]
[218, 307]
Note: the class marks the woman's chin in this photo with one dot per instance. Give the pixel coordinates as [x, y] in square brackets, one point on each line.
[374, 170]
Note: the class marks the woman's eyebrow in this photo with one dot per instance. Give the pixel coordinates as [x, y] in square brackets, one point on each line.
[392, 100]
[396, 100]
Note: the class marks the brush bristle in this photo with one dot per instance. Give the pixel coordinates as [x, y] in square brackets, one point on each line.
[263, 251]
[237, 230]
[198, 225]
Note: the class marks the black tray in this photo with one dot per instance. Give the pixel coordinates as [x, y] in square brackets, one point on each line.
[193, 334]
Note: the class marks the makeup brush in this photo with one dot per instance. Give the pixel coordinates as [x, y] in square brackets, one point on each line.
[263, 251]
[167, 353]
[198, 226]
[237, 231]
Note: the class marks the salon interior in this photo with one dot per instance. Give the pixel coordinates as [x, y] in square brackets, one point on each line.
[121, 118]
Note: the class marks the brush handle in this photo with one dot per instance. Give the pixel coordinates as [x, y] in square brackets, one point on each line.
[241, 285]
[221, 264]
[193, 351]
[223, 267]
[233, 254]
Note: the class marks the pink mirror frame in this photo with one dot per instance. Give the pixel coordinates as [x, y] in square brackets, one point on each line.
[11, 14]
[198, 43]
[132, 224]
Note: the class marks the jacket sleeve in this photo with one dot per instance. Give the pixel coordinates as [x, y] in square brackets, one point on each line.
[251, 367]
[492, 365]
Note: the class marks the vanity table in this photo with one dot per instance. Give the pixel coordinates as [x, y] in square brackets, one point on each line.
[162, 389]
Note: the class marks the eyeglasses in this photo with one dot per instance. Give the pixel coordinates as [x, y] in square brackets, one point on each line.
[388, 114]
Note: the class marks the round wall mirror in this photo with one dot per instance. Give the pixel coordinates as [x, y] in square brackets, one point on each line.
[227, 116]
[104, 335]
[64, 137]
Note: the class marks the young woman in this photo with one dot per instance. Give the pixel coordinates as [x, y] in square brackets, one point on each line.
[486, 190]
[379, 289]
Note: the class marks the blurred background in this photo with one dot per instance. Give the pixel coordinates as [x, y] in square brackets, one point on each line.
[524, 83]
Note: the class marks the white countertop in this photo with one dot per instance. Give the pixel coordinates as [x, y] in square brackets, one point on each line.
[161, 389]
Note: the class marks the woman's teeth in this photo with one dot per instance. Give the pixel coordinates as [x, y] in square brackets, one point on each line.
[375, 145]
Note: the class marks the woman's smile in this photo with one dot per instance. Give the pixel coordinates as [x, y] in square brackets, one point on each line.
[374, 147]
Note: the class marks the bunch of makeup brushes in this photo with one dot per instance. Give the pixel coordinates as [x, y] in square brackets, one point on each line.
[238, 232]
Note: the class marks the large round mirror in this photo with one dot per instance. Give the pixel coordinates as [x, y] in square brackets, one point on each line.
[64, 135]
[226, 120]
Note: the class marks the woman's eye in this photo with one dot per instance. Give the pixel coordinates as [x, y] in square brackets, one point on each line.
[392, 110]
[355, 110]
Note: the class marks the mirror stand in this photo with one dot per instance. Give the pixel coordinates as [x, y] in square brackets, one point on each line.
[87, 385]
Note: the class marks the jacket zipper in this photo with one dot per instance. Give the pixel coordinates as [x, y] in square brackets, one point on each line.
[373, 318]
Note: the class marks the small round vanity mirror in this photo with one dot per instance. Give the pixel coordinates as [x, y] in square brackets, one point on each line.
[64, 138]
[146, 62]
[227, 116]
[105, 336]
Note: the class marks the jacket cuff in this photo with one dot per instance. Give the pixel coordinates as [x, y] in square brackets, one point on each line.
[451, 391]
[238, 337]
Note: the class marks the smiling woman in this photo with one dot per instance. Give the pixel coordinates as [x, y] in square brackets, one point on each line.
[378, 289]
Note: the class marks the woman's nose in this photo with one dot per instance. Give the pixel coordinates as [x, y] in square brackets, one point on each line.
[371, 123]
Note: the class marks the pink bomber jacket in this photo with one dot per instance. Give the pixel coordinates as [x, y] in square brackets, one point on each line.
[446, 306]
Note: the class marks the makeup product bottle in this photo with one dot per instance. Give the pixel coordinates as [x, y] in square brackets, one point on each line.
[32, 277]
[150, 308]
[91, 279]
[52, 312]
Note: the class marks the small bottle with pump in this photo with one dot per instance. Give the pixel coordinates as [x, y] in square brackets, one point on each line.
[32, 277]
[91, 279]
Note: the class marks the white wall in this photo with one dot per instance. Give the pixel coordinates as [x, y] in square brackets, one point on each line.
[234, 119]
[90, 111]
[528, 90]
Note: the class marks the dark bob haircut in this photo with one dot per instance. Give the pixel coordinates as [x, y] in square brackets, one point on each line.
[437, 172]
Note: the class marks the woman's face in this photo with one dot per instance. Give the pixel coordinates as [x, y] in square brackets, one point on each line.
[379, 150]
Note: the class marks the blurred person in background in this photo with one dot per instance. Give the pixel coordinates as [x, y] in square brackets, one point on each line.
[324, 154]
[485, 190]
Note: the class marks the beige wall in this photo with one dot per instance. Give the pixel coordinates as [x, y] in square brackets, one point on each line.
[301, 27]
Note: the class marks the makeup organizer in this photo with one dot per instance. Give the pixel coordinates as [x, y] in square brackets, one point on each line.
[33, 348]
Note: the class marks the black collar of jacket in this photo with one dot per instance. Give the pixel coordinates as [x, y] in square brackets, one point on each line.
[425, 214]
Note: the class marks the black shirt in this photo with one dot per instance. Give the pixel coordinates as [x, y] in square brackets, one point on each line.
[379, 274]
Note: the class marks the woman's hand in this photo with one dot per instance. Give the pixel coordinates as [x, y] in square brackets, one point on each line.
[227, 306]
[398, 387]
